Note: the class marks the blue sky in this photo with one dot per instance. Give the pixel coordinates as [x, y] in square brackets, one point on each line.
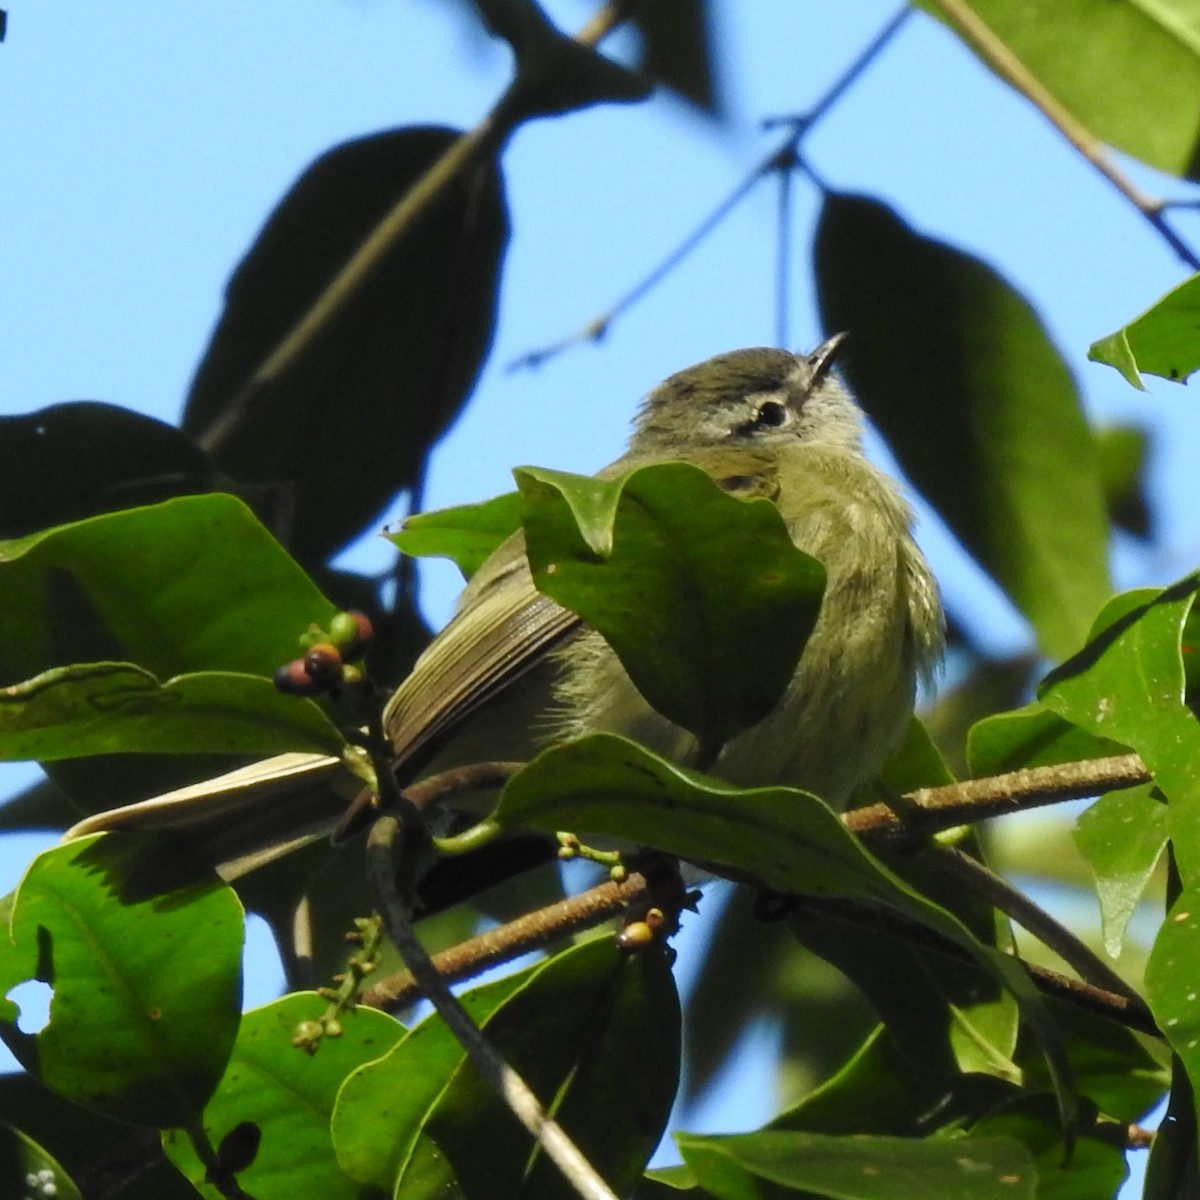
[142, 144]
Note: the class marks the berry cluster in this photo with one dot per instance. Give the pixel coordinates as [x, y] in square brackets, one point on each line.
[326, 666]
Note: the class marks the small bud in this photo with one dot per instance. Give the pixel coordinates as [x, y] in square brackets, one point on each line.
[308, 1035]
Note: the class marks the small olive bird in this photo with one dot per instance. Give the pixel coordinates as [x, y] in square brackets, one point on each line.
[514, 672]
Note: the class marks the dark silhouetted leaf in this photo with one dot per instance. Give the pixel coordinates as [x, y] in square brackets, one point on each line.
[1124, 450]
[555, 73]
[960, 376]
[76, 460]
[325, 446]
[677, 48]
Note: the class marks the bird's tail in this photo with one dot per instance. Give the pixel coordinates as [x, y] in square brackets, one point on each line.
[245, 818]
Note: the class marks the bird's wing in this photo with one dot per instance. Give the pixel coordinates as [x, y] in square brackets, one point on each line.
[504, 627]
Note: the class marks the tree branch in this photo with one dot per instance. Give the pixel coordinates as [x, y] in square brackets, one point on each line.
[531, 931]
[980, 37]
[936, 809]
[383, 844]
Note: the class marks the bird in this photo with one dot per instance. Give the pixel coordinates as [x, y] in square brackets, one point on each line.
[514, 672]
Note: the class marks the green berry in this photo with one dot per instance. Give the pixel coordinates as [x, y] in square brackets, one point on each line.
[351, 632]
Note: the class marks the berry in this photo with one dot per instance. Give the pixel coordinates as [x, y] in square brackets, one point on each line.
[294, 679]
[323, 662]
[351, 633]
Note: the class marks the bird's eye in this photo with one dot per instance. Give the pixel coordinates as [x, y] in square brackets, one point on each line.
[771, 415]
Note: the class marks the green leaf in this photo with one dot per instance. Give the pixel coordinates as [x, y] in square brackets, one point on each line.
[781, 838]
[1127, 69]
[193, 584]
[383, 1105]
[289, 1096]
[1096, 1167]
[143, 950]
[915, 763]
[29, 1172]
[883, 1088]
[949, 1015]
[861, 1168]
[1163, 341]
[71, 461]
[1033, 736]
[1113, 1068]
[943, 342]
[1128, 684]
[1122, 836]
[109, 708]
[349, 424]
[466, 534]
[571, 1026]
[1171, 980]
[702, 596]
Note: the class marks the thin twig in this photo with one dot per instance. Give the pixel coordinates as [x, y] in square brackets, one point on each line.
[783, 255]
[603, 22]
[382, 844]
[1090, 967]
[863, 914]
[531, 931]
[980, 37]
[784, 153]
[935, 809]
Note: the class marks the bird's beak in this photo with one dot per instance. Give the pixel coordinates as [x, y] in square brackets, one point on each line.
[821, 360]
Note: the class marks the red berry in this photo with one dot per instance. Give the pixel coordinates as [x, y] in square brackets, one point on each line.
[295, 680]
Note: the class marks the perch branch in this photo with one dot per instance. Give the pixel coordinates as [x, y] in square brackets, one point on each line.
[936, 809]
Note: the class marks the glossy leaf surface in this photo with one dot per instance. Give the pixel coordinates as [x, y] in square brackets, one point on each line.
[1162, 341]
[704, 598]
[287, 1097]
[143, 951]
